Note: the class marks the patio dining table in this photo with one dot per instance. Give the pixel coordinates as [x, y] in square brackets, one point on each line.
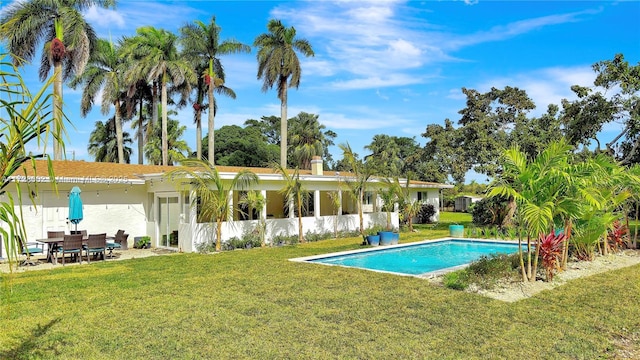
[52, 247]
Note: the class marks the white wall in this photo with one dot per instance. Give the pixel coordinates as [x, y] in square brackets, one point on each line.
[106, 209]
[289, 227]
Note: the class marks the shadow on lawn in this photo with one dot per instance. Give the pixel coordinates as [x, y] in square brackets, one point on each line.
[25, 349]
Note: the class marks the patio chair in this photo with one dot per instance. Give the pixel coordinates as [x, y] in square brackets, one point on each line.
[97, 244]
[81, 232]
[121, 238]
[72, 244]
[55, 234]
[28, 249]
[120, 242]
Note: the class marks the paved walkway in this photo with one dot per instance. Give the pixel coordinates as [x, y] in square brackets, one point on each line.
[118, 255]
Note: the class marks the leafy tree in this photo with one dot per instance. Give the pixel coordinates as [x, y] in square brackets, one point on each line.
[67, 38]
[239, 146]
[269, 126]
[278, 65]
[294, 192]
[393, 156]
[212, 192]
[202, 47]
[25, 121]
[153, 53]
[104, 74]
[177, 148]
[443, 154]
[103, 143]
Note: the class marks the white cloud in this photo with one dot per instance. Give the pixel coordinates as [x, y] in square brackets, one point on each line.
[104, 17]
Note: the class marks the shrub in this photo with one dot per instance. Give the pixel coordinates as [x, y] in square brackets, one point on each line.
[206, 247]
[426, 213]
[456, 280]
[485, 272]
[550, 251]
[490, 211]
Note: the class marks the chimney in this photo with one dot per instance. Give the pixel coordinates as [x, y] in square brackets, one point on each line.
[316, 165]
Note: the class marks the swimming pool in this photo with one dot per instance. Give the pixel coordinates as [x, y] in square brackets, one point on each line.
[416, 259]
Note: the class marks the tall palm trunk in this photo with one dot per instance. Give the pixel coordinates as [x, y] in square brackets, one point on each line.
[165, 143]
[211, 123]
[140, 135]
[300, 232]
[283, 128]
[360, 196]
[635, 231]
[219, 234]
[199, 133]
[57, 109]
[119, 136]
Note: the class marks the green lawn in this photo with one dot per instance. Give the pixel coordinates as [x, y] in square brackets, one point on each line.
[256, 304]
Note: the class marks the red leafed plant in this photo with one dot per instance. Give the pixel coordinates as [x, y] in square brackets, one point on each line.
[57, 50]
[550, 252]
[616, 236]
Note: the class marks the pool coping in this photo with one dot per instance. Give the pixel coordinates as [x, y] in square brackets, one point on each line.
[427, 275]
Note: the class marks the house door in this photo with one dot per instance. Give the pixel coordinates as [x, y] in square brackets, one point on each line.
[55, 209]
[168, 220]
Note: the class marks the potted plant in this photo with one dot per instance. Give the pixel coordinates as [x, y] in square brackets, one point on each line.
[373, 239]
[143, 242]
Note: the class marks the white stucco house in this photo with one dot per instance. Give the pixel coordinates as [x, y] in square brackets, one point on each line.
[141, 200]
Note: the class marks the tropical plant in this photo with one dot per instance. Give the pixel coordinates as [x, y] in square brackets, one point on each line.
[425, 213]
[202, 48]
[308, 139]
[294, 193]
[357, 183]
[534, 185]
[617, 235]
[335, 199]
[278, 64]
[212, 192]
[68, 42]
[25, 121]
[104, 74]
[388, 194]
[177, 148]
[550, 251]
[153, 54]
[103, 143]
[254, 200]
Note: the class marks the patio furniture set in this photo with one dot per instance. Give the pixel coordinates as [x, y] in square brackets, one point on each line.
[75, 244]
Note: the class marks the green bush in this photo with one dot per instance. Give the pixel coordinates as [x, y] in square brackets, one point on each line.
[425, 215]
[490, 211]
[456, 280]
[485, 272]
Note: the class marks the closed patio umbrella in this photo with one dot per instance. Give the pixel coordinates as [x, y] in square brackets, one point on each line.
[75, 206]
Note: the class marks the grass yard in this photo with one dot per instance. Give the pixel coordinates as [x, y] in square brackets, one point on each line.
[257, 304]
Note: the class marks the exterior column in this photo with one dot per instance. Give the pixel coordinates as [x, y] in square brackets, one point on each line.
[316, 203]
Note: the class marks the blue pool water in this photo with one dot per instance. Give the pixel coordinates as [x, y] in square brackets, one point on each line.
[421, 258]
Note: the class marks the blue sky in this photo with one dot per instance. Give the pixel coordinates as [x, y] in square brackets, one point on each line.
[389, 67]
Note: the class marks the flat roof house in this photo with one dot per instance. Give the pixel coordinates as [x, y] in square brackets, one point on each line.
[141, 200]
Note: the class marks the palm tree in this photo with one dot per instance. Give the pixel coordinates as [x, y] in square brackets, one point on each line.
[409, 207]
[358, 184]
[104, 73]
[293, 191]
[139, 93]
[154, 54]
[68, 42]
[212, 192]
[255, 201]
[103, 143]
[177, 148]
[26, 121]
[278, 64]
[202, 46]
[307, 139]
